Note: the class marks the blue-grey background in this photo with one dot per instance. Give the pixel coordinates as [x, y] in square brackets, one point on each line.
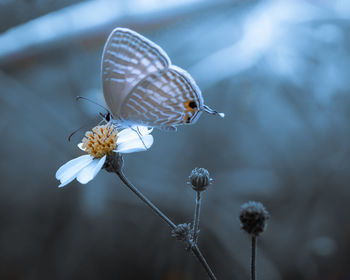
[279, 70]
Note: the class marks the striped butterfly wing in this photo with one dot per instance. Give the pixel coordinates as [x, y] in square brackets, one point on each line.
[168, 97]
[127, 58]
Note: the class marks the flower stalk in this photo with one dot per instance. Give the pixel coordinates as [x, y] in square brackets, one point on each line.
[197, 213]
[253, 258]
[203, 261]
[140, 195]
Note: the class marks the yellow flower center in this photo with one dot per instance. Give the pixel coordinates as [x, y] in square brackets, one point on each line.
[102, 140]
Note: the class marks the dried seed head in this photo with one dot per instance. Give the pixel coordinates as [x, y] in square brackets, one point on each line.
[253, 217]
[200, 179]
[182, 232]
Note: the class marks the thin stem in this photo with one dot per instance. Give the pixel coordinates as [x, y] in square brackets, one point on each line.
[252, 264]
[145, 199]
[203, 262]
[197, 213]
[194, 247]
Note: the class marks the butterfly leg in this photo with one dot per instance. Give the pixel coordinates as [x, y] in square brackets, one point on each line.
[111, 129]
[140, 136]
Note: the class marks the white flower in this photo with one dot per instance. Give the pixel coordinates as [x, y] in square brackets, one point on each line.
[98, 143]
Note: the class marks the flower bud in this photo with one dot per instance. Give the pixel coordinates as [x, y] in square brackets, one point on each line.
[199, 179]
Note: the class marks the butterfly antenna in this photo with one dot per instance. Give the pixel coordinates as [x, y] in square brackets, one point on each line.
[212, 112]
[87, 99]
[75, 131]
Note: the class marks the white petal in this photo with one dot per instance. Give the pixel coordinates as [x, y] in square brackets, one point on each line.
[143, 130]
[80, 146]
[136, 145]
[63, 183]
[129, 134]
[90, 171]
[72, 167]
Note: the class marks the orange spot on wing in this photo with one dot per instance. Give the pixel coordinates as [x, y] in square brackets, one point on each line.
[190, 106]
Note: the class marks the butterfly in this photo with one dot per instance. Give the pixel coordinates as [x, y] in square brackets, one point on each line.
[142, 87]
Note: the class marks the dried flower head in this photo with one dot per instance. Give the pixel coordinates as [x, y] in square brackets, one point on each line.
[200, 179]
[253, 217]
[182, 232]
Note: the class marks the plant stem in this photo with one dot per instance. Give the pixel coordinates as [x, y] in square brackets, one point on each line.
[203, 262]
[155, 209]
[197, 213]
[145, 199]
[252, 265]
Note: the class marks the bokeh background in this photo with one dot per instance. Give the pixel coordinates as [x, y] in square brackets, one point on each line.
[279, 70]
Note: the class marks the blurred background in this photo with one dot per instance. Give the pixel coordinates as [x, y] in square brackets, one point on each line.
[279, 70]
